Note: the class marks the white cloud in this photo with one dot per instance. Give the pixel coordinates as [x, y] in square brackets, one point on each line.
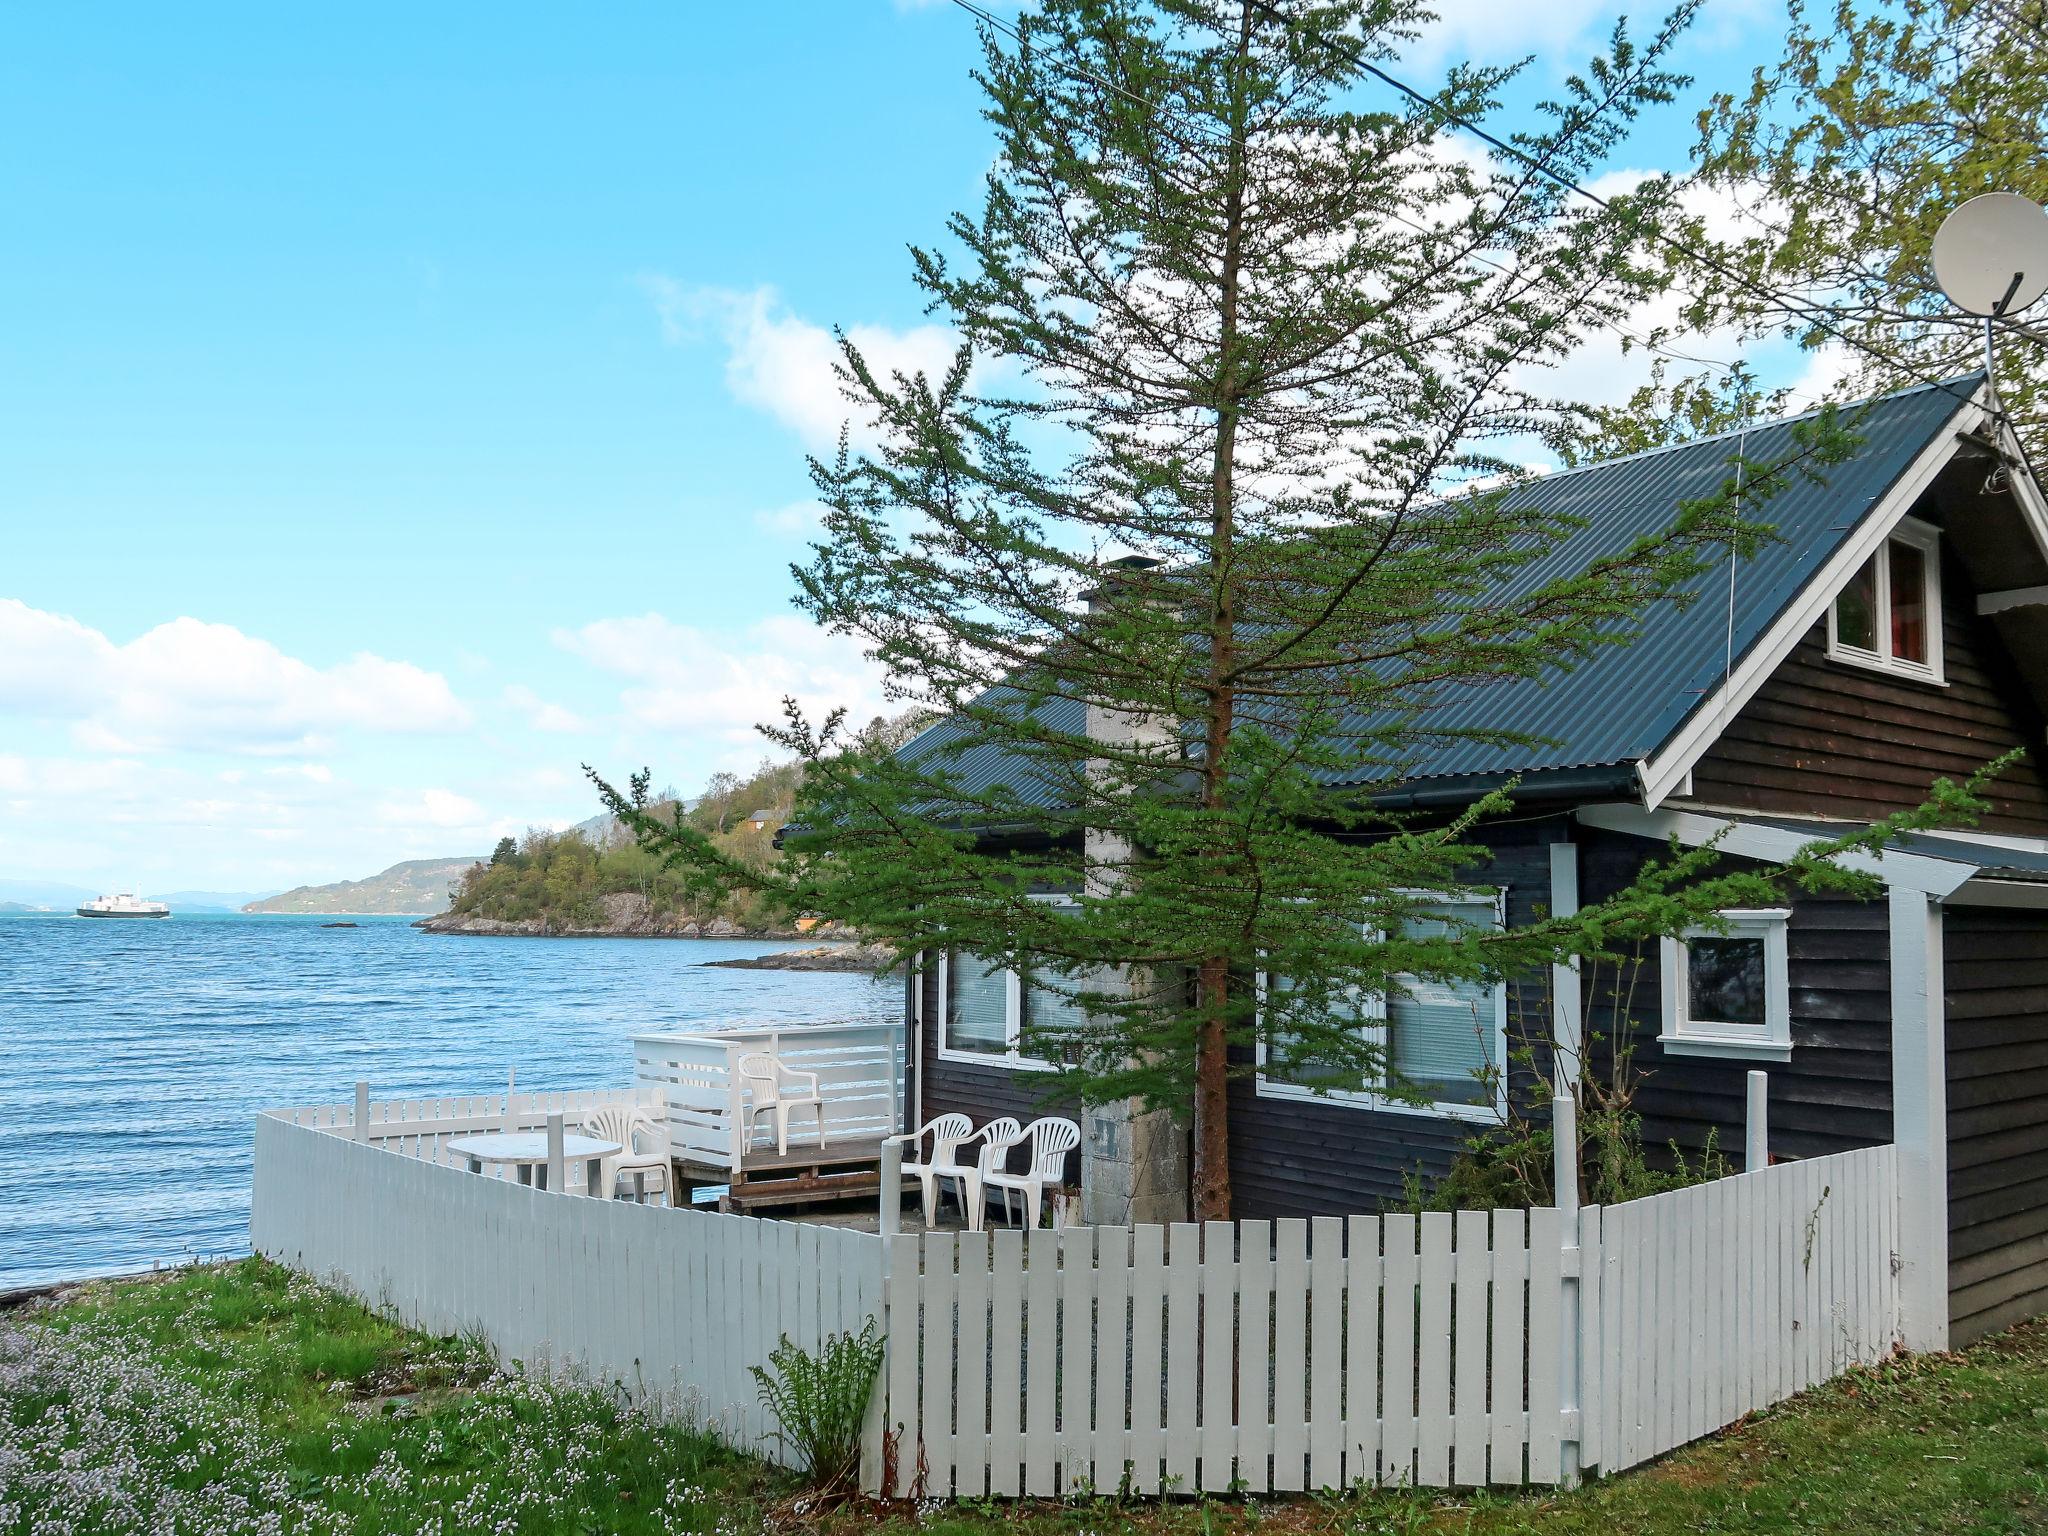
[783, 364]
[683, 680]
[541, 714]
[800, 519]
[191, 684]
[442, 808]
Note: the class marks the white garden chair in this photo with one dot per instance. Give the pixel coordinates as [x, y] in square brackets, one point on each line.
[948, 1133]
[1051, 1140]
[645, 1158]
[772, 1086]
[996, 1138]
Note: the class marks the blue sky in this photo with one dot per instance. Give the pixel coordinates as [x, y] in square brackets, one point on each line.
[400, 405]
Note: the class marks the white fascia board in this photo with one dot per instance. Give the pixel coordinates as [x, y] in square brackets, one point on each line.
[1989, 603]
[1750, 840]
[2022, 894]
[1663, 771]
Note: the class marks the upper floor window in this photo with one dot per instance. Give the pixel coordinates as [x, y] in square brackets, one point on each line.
[1889, 615]
[1444, 1038]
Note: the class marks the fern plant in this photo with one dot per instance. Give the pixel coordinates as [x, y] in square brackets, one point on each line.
[819, 1402]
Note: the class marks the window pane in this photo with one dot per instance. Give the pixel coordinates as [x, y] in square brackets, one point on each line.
[1856, 610]
[1725, 981]
[977, 1005]
[1051, 1009]
[1308, 1074]
[1909, 601]
[1442, 1041]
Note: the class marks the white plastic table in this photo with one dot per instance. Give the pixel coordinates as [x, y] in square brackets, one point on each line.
[527, 1151]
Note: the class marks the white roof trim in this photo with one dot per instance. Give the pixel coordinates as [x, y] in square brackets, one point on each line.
[1753, 840]
[1665, 770]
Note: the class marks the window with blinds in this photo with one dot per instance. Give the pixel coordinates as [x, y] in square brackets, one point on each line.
[1442, 1038]
[977, 1006]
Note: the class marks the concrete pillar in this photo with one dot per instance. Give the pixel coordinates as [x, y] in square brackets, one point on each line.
[1920, 1116]
[1134, 1161]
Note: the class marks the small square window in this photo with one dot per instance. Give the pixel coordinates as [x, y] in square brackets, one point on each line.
[1726, 992]
[1888, 615]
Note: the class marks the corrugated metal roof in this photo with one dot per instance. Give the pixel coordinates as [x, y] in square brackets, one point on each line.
[1625, 702]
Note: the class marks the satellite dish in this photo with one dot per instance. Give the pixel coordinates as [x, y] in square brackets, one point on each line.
[1991, 255]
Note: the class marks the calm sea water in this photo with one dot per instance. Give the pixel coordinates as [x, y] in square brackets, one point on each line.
[134, 1055]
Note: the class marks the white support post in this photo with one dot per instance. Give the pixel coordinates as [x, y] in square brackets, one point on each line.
[362, 1126]
[1920, 1117]
[511, 1082]
[558, 1168]
[738, 1131]
[1564, 1177]
[892, 1188]
[1756, 1129]
[1567, 1002]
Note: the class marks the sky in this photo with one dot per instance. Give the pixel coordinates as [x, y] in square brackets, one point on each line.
[401, 406]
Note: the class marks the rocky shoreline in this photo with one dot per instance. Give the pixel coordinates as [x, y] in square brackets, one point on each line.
[821, 957]
[626, 916]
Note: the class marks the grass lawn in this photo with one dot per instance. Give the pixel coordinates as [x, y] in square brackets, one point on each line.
[242, 1398]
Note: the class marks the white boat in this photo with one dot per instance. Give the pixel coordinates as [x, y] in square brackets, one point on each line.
[123, 905]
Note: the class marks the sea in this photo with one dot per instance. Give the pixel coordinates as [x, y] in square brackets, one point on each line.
[135, 1053]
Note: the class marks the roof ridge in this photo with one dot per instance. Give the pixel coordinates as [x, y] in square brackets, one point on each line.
[1974, 377]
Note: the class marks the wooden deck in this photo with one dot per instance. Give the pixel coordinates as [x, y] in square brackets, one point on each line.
[805, 1174]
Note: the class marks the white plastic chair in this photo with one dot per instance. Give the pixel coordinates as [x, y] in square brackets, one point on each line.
[996, 1138]
[1051, 1140]
[632, 1128]
[769, 1086]
[948, 1132]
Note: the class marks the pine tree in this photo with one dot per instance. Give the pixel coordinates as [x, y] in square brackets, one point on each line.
[1210, 518]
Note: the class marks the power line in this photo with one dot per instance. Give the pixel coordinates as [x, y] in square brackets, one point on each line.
[1815, 315]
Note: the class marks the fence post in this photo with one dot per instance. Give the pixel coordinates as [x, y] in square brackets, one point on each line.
[558, 1176]
[892, 1188]
[1920, 1117]
[362, 1110]
[1756, 1131]
[1564, 1139]
[511, 1082]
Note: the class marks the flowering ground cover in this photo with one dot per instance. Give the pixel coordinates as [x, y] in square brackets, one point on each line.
[241, 1398]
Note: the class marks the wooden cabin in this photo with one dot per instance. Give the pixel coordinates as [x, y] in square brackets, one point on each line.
[1896, 631]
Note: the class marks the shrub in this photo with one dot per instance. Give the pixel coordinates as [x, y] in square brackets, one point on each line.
[820, 1402]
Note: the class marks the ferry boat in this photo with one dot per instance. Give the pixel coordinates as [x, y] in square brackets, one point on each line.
[123, 905]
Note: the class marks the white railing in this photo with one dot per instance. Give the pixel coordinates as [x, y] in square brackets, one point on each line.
[672, 1306]
[421, 1128]
[1457, 1348]
[695, 1078]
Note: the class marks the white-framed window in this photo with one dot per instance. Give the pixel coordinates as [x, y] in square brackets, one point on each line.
[1889, 615]
[1726, 992]
[986, 1010]
[1445, 1038]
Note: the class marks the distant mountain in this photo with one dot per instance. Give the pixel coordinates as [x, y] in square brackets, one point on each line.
[36, 894]
[210, 901]
[16, 908]
[416, 888]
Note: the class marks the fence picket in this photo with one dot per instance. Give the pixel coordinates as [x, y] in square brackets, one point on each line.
[1362, 1351]
[1510, 1274]
[1290, 1354]
[1546, 1235]
[1148, 1358]
[1255, 1354]
[1006, 1376]
[1111, 1453]
[1183, 1289]
[971, 1443]
[1326, 1353]
[1473, 1266]
[1078, 1351]
[1219, 1351]
[1397, 1360]
[940, 1329]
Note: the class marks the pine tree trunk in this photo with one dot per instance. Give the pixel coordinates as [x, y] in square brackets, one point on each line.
[1211, 1181]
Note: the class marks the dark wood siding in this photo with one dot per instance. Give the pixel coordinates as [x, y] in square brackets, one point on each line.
[1822, 738]
[1835, 1092]
[1997, 1007]
[1311, 1157]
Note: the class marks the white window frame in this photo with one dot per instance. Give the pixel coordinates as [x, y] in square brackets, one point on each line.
[1373, 1007]
[1012, 1058]
[1927, 539]
[1684, 1035]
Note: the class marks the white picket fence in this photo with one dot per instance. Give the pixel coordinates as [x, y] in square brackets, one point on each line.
[1455, 1349]
[671, 1306]
[421, 1128]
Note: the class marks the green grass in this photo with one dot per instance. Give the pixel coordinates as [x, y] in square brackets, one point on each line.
[241, 1398]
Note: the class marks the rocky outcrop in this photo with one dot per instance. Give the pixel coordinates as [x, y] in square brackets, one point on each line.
[626, 915]
[823, 957]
